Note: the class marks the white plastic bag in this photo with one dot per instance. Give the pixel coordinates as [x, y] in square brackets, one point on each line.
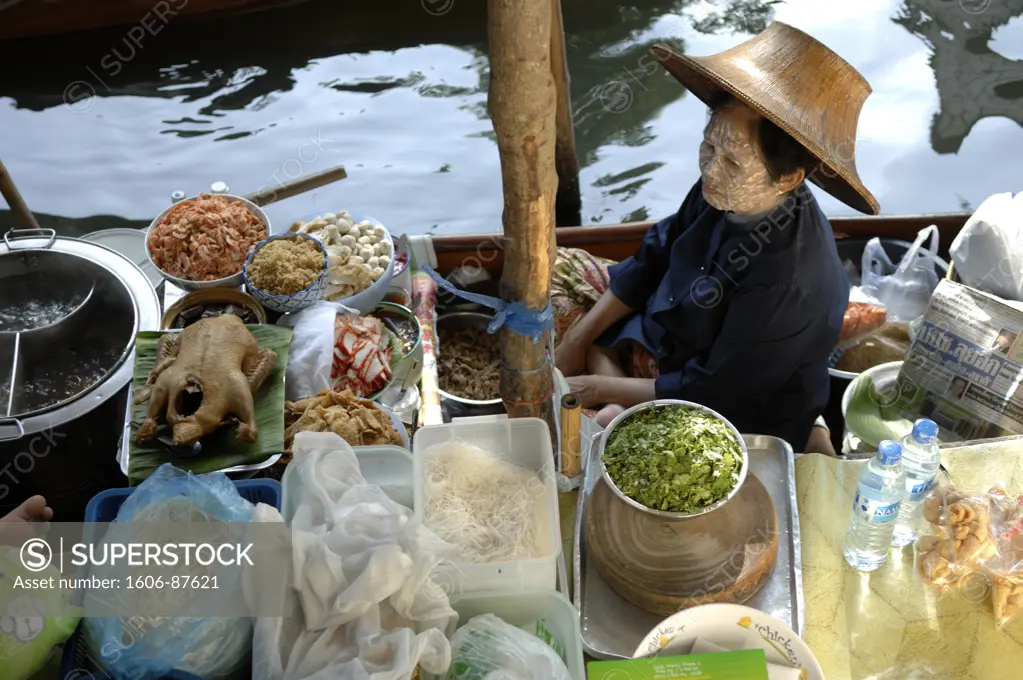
[988, 252]
[487, 648]
[905, 290]
[361, 600]
[311, 357]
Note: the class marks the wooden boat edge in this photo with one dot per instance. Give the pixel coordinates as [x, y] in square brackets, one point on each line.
[619, 241]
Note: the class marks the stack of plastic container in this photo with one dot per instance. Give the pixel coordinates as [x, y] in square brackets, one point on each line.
[522, 591]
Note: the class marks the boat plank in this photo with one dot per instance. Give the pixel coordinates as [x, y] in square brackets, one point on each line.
[619, 241]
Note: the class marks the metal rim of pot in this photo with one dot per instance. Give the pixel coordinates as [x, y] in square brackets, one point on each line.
[485, 319]
[658, 403]
[147, 317]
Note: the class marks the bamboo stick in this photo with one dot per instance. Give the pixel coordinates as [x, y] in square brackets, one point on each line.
[297, 186]
[522, 106]
[22, 215]
[571, 425]
[569, 203]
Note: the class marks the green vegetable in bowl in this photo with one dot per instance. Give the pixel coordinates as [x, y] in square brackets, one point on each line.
[673, 458]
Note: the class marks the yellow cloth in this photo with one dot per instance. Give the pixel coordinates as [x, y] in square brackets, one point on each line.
[889, 624]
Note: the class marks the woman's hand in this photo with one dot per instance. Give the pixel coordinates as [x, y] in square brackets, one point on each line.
[570, 356]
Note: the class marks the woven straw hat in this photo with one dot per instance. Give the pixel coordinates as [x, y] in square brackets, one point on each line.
[798, 84]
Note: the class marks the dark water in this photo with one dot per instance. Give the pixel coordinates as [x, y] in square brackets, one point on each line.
[397, 94]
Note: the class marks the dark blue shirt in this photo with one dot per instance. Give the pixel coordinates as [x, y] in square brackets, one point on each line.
[741, 314]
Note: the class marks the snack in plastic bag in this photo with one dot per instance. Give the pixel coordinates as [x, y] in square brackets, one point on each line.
[144, 647]
[487, 648]
[962, 541]
[860, 319]
[32, 620]
[1005, 571]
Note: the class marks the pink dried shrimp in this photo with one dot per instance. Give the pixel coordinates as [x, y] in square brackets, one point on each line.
[205, 238]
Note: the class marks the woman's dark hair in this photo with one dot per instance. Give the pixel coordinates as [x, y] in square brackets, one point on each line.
[781, 153]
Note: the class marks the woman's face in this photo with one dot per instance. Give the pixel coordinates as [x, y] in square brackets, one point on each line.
[734, 175]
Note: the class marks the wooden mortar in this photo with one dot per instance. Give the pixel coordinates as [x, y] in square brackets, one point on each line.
[663, 562]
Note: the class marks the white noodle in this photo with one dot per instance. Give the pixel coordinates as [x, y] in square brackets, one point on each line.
[489, 507]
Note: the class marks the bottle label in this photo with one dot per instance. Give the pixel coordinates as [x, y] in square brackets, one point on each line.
[877, 512]
[918, 491]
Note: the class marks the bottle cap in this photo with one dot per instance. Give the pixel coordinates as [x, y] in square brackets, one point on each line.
[925, 431]
[890, 452]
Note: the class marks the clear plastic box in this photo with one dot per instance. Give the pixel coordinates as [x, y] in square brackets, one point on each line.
[525, 442]
[525, 607]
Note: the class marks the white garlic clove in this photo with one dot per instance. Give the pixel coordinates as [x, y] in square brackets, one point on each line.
[377, 272]
[366, 253]
[348, 240]
[356, 259]
[384, 261]
[373, 261]
[329, 217]
[386, 247]
[345, 252]
[380, 232]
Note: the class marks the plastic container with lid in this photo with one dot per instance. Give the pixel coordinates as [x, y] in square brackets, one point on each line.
[525, 442]
[523, 608]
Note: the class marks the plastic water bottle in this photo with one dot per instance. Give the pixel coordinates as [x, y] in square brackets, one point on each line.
[875, 508]
[921, 459]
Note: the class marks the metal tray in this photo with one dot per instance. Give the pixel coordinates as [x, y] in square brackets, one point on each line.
[612, 628]
[124, 452]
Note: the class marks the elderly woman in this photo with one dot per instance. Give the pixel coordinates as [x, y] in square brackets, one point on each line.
[737, 300]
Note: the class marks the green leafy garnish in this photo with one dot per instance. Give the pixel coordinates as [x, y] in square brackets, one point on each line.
[673, 458]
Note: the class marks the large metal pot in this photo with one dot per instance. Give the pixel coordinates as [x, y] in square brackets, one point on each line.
[662, 561]
[66, 383]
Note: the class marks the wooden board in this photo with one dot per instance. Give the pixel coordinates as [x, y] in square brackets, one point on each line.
[663, 566]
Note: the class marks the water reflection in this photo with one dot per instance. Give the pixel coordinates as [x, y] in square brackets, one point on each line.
[398, 96]
[974, 81]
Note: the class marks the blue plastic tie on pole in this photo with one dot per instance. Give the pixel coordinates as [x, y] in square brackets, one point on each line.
[518, 316]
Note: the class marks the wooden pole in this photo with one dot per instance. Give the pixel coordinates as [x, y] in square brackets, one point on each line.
[522, 106]
[23, 217]
[569, 203]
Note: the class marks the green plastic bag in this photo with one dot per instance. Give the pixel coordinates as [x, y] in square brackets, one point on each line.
[27, 634]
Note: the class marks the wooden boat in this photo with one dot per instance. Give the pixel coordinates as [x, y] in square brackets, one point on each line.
[36, 18]
[619, 241]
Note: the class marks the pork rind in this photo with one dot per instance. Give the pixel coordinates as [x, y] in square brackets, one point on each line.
[976, 537]
[960, 542]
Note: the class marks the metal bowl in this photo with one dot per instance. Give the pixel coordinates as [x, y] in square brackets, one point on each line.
[658, 403]
[233, 281]
[294, 302]
[458, 321]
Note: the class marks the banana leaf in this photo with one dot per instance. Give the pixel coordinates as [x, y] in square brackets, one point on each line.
[221, 449]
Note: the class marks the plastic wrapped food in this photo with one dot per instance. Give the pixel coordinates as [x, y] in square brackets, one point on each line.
[487, 648]
[860, 319]
[962, 539]
[976, 544]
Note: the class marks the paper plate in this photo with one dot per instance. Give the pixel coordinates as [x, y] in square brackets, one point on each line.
[132, 244]
[732, 627]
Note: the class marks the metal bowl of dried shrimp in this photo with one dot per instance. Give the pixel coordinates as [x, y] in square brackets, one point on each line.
[202, 242]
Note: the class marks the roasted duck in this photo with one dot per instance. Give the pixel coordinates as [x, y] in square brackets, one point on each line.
[204, 374]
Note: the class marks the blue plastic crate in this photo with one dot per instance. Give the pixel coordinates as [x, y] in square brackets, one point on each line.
[104, 506]
[75, 661]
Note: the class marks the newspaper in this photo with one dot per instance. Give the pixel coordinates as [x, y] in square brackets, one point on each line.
[965, 365]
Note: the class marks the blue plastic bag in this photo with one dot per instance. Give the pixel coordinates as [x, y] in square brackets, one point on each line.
[137, 648]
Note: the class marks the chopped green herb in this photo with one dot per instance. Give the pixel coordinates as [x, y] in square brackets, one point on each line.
[673, 458]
